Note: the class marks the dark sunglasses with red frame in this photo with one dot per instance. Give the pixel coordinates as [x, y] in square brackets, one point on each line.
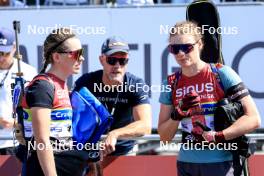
[113, 60]
[186, 48]
[74, 54]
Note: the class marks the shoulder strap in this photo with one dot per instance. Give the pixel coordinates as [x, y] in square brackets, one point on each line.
[46, 77]
[173, 81]
[43, 76]
[215, 70]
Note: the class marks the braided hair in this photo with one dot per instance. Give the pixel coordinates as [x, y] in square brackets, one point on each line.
[54, 43]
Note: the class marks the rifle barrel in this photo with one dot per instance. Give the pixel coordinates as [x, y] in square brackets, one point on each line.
[18, 56]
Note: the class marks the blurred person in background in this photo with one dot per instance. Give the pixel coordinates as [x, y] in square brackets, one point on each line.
[134, 2]
[11, 3]
[66, 2]
[8, 70]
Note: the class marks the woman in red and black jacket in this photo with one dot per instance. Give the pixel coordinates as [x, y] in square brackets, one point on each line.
[48, 111]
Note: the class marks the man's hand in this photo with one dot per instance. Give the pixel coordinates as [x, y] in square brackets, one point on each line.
[109, 143]
[18, 129]
[7, 123]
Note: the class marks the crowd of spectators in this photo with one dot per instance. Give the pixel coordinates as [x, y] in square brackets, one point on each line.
[27, 3]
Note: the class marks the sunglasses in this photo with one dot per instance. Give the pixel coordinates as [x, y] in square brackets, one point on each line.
[74, 54]
[186, 48]
[114, 60]
[3, 54]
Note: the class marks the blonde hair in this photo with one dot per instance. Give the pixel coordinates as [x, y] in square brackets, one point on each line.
[186, 27]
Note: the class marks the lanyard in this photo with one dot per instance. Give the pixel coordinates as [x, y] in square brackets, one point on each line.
[3, 80]
[114, 105]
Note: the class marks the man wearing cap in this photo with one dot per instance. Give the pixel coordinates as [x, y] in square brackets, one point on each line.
[117, 90]
[8, 70]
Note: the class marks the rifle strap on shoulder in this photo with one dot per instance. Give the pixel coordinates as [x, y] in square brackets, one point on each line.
[215, 70]
[173, 81]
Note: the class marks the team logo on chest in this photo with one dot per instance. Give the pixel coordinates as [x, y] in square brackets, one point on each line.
[62, 94]
[199, 88]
